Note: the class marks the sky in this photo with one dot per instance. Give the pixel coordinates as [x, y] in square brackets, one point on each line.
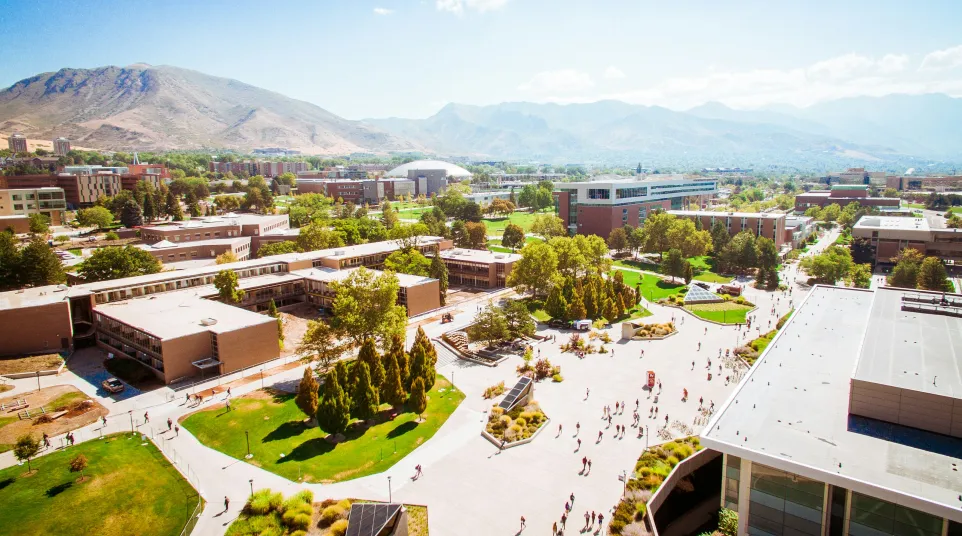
[408, 58]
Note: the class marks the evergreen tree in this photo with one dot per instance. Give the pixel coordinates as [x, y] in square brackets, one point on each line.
[688, 273]
[333, 412]
[364, 403]
[400, 357]
[576, 308]
[418, 401]
[131, 214]
[39, 265]
[173, 207]
[368, 355]
[438, 270]
[272, 311]
[419, 365]
[193, 207]
[556, 306]
[392, 389]
[932, 276]
[610, 310]
[590, 302]
[422, 338]
[345, 380]
[150, 210]
[306, 398]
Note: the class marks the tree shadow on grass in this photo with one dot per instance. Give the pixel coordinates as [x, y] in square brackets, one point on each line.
[286, 431]
[308, 449]
[402, 429]
[279, 397]
[5, 482]
[58, 489]
[668, 285]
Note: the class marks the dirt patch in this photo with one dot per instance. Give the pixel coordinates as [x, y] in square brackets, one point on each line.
[295, 326]
[33, 363]
[78, 414]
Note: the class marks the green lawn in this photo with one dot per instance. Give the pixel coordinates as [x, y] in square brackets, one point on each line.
[524, 219]
[495, 244]
[652, 287]
[725, 312]
[915, 205]
[276, 428]
[130, 489]
[536, 308]
[701, 265]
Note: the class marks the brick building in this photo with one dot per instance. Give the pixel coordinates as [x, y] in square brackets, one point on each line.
[889, 235]
[758, 223]
[478, 268]
[598, 207]
[49, 201]
[843, 195]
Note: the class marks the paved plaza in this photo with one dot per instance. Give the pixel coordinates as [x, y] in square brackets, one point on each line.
[469, 486]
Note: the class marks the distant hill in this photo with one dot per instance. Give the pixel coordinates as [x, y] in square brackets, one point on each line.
[145, 107]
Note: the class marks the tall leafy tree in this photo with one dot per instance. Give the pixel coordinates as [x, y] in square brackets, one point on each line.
[548, 226]
[438, 270]
[277, 248]
[172, 207]
[408, 261]
[333, 411]
[418, 401]
[490, 325]
[673, 264]
[98, 217]
[719, 236]
[513, 236]
[618, 240]
[118, 262]
[131, 214]
[534, 270]
[227, 284]
[364, 399]
[318, 235]
[39, 223]
[906, 271]
[39, 265]
[9, 261]
[322, 342]
[932, 276]
[365, 305]
[27, 447]
[389, 216]
[556, 305]
[306, 398]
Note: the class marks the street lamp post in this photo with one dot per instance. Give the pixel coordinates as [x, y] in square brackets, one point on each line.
[131, 414]
[624, 480]
[247, 436]
[38, 381]
[390, 496]
[252, 486]
[647, 433]
[262, 377]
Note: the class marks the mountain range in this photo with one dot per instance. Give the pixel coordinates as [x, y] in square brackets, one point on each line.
[141, 107]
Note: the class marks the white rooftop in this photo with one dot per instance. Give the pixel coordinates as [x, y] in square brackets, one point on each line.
[166, 244]
[893, 222]
[178, 314]
[329, 275]
[479, 255]
[760, 215]
[791, 412]
[33, 297]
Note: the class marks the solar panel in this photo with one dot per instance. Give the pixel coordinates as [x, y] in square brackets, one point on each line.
[511, 398]
[698, 294]
[369, 519]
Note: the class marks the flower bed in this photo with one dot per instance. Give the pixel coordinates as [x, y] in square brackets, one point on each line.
[647, 331]
[518, 424]
[651, 469]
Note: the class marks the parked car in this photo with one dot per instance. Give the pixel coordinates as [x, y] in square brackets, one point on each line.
[113, 385]
[705, 286]
[558, 324]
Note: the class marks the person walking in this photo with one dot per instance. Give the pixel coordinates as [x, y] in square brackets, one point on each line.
[599, 436]
[226, 503]
[584, 464]
[228, 391]
[601, 520]
[559, 429]
[228, 404]
[587, 517]
[522, 522]
[170, 424]
[579, 443]
[572, 497]
[176, 431]
[146, 418]
[577, 428]
[589, 466]
[554, 528]
[564, 520]
[587, 392]
[104, 419]
[594, 516]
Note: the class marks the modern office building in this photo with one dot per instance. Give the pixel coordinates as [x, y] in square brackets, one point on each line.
[891, 234]
[598, 207]
[61, 146]
[850, 421]
[417, 294]
[79, 190]
[842, 196]
[17, 143]
[264, 168]
[769, 225]
[478, 268]
[395, 188]
[225, 226]
[856, 176]
[49, 201]
[940, 183]
[798, 229]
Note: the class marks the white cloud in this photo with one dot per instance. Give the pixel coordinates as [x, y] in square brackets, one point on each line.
[383, 11]
[941, 60]
[613, 73]
[848, 75]
[459, 6]
[561, 81]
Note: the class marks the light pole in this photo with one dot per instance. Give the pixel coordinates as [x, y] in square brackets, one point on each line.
[38, 381]
[624, 480]
[252, 486]
[131, 414]
[248, 437]
[390, 497]
[262, 377]
[647, 433]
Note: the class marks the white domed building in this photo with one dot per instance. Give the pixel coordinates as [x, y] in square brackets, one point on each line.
[430, 176]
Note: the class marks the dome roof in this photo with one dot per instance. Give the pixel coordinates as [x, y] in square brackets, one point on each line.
[450, 169]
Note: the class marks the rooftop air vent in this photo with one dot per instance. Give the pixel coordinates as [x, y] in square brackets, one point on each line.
[208, 321]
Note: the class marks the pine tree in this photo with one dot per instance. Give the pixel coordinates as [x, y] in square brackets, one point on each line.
[422, 338]
[368, 355]
[688, 273]
[610, 310]
[419, 365]
[418, 401]
[392, 389]
[345, 380]
[131, 214]
[590, 302]
[333, 412]
[272, 311]
[38, 264]
[364, 403]
[400, 357]
[173, 207]
[306, 398]
[556, 306]
[576, 308]
[438, 270]
[150, 211]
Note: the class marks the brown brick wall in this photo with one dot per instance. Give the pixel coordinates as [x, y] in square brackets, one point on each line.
[29, 330]
[180, 352]
[423, 298]
[248, 346]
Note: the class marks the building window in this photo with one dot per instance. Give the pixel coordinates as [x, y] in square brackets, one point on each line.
[872, 517]
[732, 478]
[781, 503]
[599, 193]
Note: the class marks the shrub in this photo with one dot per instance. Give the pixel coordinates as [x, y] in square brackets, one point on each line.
[542, 368]
[497, 411]
[331, 514]
[494, 390]
[339, 528]
[557, 378]
[43, 419]
[300, 522]
[305, 495]
[299, 533]
[261, 503]
[111, 236]
[670, 446]
[672, 461]
[682, 452]
[345, 504]
[728, 522]
[520, 422]
[61, 238]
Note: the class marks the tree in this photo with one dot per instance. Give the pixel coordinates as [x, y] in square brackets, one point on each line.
[365, 305]
[684, 236]
[719, 236]
[831, 212]
[368, 354]
[317, 236]
[306, 398]
[528, 196]
[418, 401]
[227, 283]
[273, 313]
[39, 265]
[673, 264]
[118, 262]
[513, 237]
[389, 216]
[392, 389]
[398, 354]
[636, 240]
[477, 235]
[518, 319]
[78, 464]
[556, 306]
[333, 411]
[862, 250]
[438, 270]
[932, 276]
[688, 274]
[226, 257]
[890, 192]
[501, 207]
[173, 207]
[534, 270]
[149, 208]
[322, 342]
[829, 266]
[98, 217]
[548, 226]
[408, 261]
[277, 248]
[9, 261]
[131, 214]
[26, 448]
[490, 325]
[767, 258]
[39, 223]
[364, 400]
[906, 271]
[544, 198]
[860, 275]
[408, 235]
[576, 308]
[618, 240]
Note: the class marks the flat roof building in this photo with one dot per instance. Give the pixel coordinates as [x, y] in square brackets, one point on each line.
[768, 224]
[891, 234]
[850, 421]
[17, 143]
[842, 196]
[600, 206]
[48, 201]
[479, 268]
[61, 146]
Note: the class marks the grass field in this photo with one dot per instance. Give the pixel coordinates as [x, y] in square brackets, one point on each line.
[702, 266]
[653, 288]
[11, 365]
[495, 244]
[724, 312]
[523, 219]
[130, 489]
[282, 444]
